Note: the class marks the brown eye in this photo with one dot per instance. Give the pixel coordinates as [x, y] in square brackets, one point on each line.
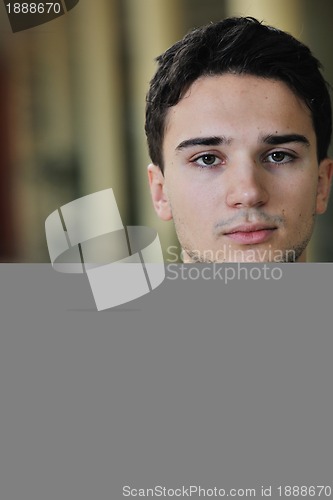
[208, 160]
[279, 156]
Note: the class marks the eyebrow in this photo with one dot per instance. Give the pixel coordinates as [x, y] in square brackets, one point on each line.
[203, 141]
[275, 140]
[271, 139]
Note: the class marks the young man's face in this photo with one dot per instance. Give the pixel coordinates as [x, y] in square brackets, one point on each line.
[241, 176]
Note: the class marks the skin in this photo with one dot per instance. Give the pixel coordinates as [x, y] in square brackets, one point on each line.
[241, 176]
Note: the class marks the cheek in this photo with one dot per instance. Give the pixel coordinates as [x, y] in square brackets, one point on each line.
[192, 204]
[310, 193]
[193, 194]
[299, 191]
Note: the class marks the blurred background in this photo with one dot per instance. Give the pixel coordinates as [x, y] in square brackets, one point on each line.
[72, 99]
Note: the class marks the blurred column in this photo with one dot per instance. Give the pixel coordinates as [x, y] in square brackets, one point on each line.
[53, 179]
[97, 97]
[41, 131]
[317, 34]
[25, 192]
[151, 27]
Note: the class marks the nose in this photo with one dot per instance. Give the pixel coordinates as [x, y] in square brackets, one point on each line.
[246, 186]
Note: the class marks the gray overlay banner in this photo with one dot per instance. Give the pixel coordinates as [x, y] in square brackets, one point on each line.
[200, 383]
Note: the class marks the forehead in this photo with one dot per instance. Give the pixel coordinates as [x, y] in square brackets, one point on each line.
[239, 106]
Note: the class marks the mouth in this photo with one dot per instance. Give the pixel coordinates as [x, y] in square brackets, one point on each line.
[250, 234]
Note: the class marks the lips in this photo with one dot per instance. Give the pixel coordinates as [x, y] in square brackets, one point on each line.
[250, 233]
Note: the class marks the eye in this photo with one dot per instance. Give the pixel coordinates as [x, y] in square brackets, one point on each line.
[279, 157]
[207, 161]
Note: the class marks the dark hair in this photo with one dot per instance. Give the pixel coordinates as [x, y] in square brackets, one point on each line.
[240, 45]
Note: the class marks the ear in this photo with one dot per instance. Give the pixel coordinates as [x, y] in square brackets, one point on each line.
[159, 192]
[325, 174]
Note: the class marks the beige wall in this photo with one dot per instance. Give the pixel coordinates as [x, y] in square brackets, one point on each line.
[284, 14]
